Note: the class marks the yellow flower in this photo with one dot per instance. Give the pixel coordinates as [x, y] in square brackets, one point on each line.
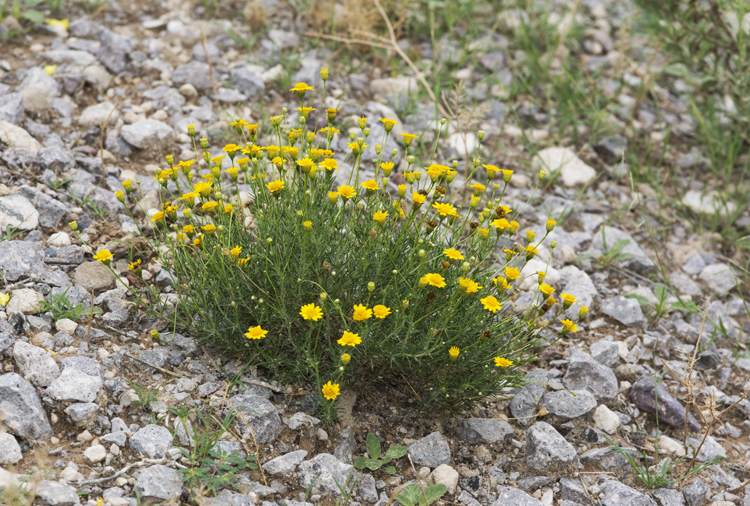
[210, 206]
[514, 226]
[408, 138]
[507, 175]
[311, 312]
[189, 197]
[232, 149]
[100, 500]
[333, 197]
[500, 224]
[453, 254]
[432, 279]
[468, 286]
[387, 168]
[236, 251]
[203, 188]
[275, 186]
[228, 208]
[502, 362]
[345, 358]
[302, 87]
[388, 124]
[103, 256]
[188, 229]
[512, 273]
[158, 216]
[478, 188]
[349, 339]
[4, 299]
[272, 150]
[255, 333]
[380, 216]
[381, 311]
[568, 300]
[491, 170]
[346, 191]
[546, 289]
[329, 164]
[583, 312]
[453, 352]
[210, 228]
[531, 251]
[307, 224]
[418, 198]
[361, 313]
[370, 185]
[331, 391]
[444, 209]
[305, 111]
[530, 235]
[491, 303]
[550, 225]
[569, 326]
[305, 163]
[55, 23]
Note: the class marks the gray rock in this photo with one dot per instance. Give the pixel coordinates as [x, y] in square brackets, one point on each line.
[694, 265]
[546, 449]
[284, 39]
[21, 410]
[75, 385]
[62, 339]
[618, 494]
[683, 284]
[69, 56]
[114, 49]
[367, 489]
[248, 82]
[612, 148]
[18, 212]
[585, 373]
[323, 475]
[151, 441]
[11, 108]
[696, 492]
[639, 262]
[157, 484]
[83, 414]
[301, 420]
[572, 490]
[259, 414]
[84, 364]
[524, 402]
[227, 498]
[710, 450]
[53, 493]
[606, 460]
[531, 483]
[345, 450]
[21, 259]
[605, 352]
[10, 450]
[285, 464]
[624, 310]
[230, 96]
[6, 341]
[196, 73]
[579, 284]
[99, 114]
[117, 437]
[568, 404]
[93, 276]
[484, 430]
[668, 497]
[671, 411]
[430, 451]
[147, 134]
[719, 277]
[513, 496]
[37, 78]
[35, 364]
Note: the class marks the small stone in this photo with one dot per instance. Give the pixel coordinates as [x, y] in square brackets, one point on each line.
[59, 239]
[671, 445]
[95, 453]
[668, 497]
[196, 73]
[284, 39]
[17, 212]
[66, 325]
[93, 276]
[10, 451]
[619, 494]
[157, 484]
[568, 404]
[99, 114]
[35, 364]
[83, 414]
[75, 385]
[710, 450]
[718, 277]
[24, 300]
[323, 475]
[573, 170]
[546, 449]
[53, 493]
[696, 492]
[485, 430]
[606, 420]
[584, 373]
[625, 311]
[152, 441]
[671, 411]
[401, 85]
[524, 402]
[188, 91]
[367, 489]
[259, 413]
[301, 420]
[11, 108]
[605, 352]
[430, 451]
[515, 497]
[149, 134]
[606, 460]
[285, 464]
[446, 475]
[22, 412]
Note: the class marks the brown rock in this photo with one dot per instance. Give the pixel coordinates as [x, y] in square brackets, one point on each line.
[93, 276]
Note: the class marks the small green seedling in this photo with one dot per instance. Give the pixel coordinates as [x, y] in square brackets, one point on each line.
[373, 449]
[413, 495]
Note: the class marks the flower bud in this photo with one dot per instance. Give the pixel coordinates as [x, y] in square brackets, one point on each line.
[442, 121]
[73, 226]
[401, 190]
[542, 174]
[370, 286]
[550, 225]
[362, 122]
[191, 130]
[324, 73]
[553, 244]
[170, 160]
[422, 253]
[345, 358]
[269, 240]
[480, 134]
[582, 312]
[120, 196]
[128, 185]
[465, 266]
[204, 142]
[323, 296]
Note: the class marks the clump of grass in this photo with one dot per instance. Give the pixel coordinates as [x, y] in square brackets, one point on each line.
[351, 284]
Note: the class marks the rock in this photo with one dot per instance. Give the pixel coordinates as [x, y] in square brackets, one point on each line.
[248, 82]
[515, 497]
[580, 285]
[188, 91]
[584, 373]
[95, 453]
[284, 39]
[618, 494]
[668, 497]
[573, 170]
[53, 493]
[446, 475]
[300, 420]
[24, 300]
[69, 56]
[367, 489]
[484, 430]
[86, 365]
[83, 414]
[158, 484]
[683, 284]
[546, 449]
[18, 212]
[99, 114]
[151, 441]
[11, 108]
[639, 260]
[22, 259]
[36, 365]
[285, 464]
[195, 73]
[10, 451]
[573, 490]
[567, 404]
[606, 420]
[148, 134]
[38, 79]
[671, 446]
[710, 450]
[694, 265]
[50, 211]
[524, 402]
[98, 76]
[430, 451]
[671, 411]
[35, 100]
[531, 278]
[259, 414]
[612, 148]
[345, 450]
[696, 492]
[21, 411]
[401, 85]
[323, 475]
[93, 276]
[227, 498]
[75, 385]
[16, 137]
[709, 203]
[718, 277]
[605, 352]
[625, 311]
[59, 239]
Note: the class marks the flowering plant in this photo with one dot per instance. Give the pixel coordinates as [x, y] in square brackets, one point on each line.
[355, 278]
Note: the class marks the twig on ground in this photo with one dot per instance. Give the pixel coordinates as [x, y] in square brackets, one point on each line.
[120, 472]
[160, 369]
